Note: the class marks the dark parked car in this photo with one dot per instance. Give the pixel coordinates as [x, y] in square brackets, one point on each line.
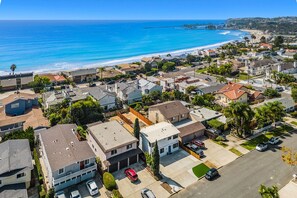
[110, 82]
[212, 173]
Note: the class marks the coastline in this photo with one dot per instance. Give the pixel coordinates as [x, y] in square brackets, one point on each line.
[257, 33]
[111, 63]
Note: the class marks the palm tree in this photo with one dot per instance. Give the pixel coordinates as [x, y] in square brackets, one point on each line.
[276, 111]
[101, 69]
[240, 116]
[221, 79]
[268, 192]
[253, 37]
[13, 68]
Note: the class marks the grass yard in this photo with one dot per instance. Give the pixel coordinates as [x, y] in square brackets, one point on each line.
[294, 122]
[244, 77]
[221, 143]
[236, 152]
[279, 131]
[200, 170]
[201, 70]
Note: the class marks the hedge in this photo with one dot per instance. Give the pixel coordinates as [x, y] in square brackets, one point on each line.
[109, 181]
[38, 166]
[116, 194]
[214, 123]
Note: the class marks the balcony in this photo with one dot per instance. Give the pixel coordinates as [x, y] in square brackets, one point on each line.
[70, 175]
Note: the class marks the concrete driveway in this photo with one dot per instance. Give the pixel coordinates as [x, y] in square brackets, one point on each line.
[217, 155]
[145, 180]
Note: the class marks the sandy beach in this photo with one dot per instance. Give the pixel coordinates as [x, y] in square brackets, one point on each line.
[257, 33]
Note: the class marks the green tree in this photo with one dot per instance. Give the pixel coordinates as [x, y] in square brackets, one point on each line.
[253, 37]
[147, 67]
[268, 192]
[263, 39]
[39, 83]
[156, 160]
[208, 59]
[221, 79]
[136, 128]
[165, 96]
[239, 115]
[13, 68]
[262, 116]
[190, 58]
[109, 181]
[26, 134]
[295, 57]
[294, 94]
[50, 193]
[189, 89]
[147, 100]
[168, 66]
[101, 70]
[278, 41]
[271, 93]
[276, 111]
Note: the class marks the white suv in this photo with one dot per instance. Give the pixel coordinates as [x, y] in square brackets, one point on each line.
[92, 187]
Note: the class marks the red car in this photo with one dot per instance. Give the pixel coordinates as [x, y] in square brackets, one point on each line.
[199, 143]
[131, 174]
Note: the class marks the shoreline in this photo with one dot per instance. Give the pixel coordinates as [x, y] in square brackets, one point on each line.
[111, 63]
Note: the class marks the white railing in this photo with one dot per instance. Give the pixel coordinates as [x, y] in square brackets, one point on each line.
[75, 174]
[11, 129]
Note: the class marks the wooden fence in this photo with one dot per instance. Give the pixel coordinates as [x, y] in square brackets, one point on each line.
[125, 119]
[140, 116]
[189, 151]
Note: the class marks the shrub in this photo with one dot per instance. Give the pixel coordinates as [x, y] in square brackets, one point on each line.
[116, 194]
[109, 181]
[38, 166]
[294, 114]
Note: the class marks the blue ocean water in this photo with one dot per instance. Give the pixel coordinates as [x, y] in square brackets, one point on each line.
[43, 46]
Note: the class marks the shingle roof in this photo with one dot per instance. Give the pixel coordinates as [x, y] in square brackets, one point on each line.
[212, 88]
[97, 92]
[260, 63]
[62, 146]
[15, 190]
[170, 109]
[15, 155]
[190, 128]
[16, 96]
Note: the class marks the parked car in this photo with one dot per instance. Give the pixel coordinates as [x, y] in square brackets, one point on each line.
[131, 174]
[92, 84]
[60, 194]
[200, 152]
[273, 140]
[212, 173]
[147, 193]
[110, 82]
[122, 80]
[75, 194]
[261, 147]
[199, 143]
[92, 187]
[279, 89]
[193, 147]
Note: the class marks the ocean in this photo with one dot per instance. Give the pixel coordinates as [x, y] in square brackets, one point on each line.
[46, 46]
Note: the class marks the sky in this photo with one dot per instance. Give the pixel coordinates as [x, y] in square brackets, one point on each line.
[143, 9]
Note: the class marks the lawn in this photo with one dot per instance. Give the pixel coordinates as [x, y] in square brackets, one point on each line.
[236, 152]
[294, 122]
[279, 131]
[203, 70]
[221, 143]
[200, 170]
[244, 77]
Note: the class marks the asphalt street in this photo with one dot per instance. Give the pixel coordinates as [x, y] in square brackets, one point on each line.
[242, 177]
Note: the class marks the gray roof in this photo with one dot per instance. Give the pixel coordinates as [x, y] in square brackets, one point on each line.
[204, 114]
[15, 190]
[15, 155]
[110, 135]
[81, 72]
[97, 92]
[286, 102]
[212, 88]
[264, 62]
[60, 142]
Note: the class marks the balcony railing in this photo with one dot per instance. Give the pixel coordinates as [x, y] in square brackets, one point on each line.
[70, 175]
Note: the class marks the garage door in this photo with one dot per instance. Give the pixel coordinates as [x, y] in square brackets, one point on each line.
[133, 160]
[123, 163]
[113, 168]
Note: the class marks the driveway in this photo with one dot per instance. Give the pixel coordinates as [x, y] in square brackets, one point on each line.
[242, 177]
[217, 155]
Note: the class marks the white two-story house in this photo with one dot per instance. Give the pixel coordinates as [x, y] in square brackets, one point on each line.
[113, 144]
[15, 167]
[128, 92]
[164, 133]
[68, 161]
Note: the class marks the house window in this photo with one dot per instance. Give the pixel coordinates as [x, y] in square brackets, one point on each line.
[73, 178]
[183, 115]
[87, 161]
[15, 105]
[129, 146]
[172, 119]
[175, 145]
[84, 174]
[169, 138]
[175, 136]
[113, 152]
[161, 150]
[21, 175]
[61, 171]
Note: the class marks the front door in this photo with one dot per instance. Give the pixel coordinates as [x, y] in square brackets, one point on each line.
[169, 149]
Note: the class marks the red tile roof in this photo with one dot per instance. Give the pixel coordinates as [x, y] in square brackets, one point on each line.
[232, 91]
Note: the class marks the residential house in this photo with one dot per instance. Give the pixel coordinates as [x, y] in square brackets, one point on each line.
[128, 92]
[285, 67]
[210, 52]
[203, 114]
[55, 79]
[171, 111]
[82, 75]
[265, 46]
[164, 133]
[106, 99]
[16, 81]
[128, 68]
[234, 92]
[148, 87]
[19, 111]
[259, 67]
[113, 144]
[288, 103]
[189, 130]
[153, 61]
[53, 98]
[67, 160]
[210, 89]
[15, 168]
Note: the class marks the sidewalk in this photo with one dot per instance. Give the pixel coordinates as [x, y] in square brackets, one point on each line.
[289, 190]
